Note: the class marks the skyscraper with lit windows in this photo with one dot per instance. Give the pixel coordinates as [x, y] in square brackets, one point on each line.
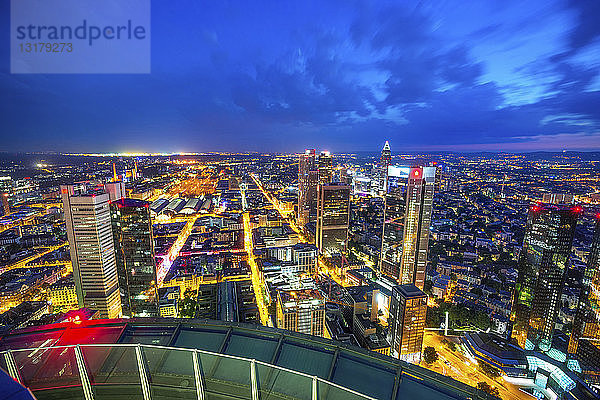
[543, 263]
[384, 163]
[333, 217]
[308, 177]
[408, 309]
[586, 325]
[89, 231]
[325, 167]
[134, 250]
[407, 218]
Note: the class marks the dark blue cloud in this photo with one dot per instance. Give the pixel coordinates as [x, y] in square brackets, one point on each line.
[343, 75]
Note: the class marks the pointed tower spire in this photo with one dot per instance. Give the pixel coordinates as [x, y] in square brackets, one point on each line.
[386, 146]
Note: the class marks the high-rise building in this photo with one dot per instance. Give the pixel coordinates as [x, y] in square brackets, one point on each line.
[407, 217]
[543, 263]
[333, 217]
[308, 177]
[384, 163]
[89, 231]
[586, 325]
[408, 309]
[386, 156]
[301, 311]
[419, 204]
[134, 249]
[325, 168]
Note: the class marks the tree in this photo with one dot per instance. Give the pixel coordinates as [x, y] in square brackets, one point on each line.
[488, 389]
[430, 355]
[427, 286]
[433, 318]
[488, 370]
[187, 306]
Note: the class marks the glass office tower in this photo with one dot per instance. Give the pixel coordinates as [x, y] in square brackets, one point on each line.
[134, 250]
[407, 217]
[333, 217]
[587, 318]
[308, 177]
[408, 309]
[542, 266]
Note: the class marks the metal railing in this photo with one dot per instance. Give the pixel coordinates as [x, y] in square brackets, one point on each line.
[149, 371]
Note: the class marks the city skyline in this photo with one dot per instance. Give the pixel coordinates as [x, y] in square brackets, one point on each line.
[342, 199]
[434, 77]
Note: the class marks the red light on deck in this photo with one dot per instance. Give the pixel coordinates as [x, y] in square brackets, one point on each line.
[535, 208]
[598, 216]
[577, 209]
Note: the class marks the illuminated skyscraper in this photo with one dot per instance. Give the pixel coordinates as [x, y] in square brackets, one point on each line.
[417, 220]
[134, 248]
[89, 231]
[333, 217]
[325, 168]
[542, 266]
[386, 156]
[393, 222]
[408, 309]
[308, 177]
[384, 162]
[587, 318]
[407, 217]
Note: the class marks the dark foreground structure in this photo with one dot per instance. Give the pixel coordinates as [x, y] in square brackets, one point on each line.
[198, 359]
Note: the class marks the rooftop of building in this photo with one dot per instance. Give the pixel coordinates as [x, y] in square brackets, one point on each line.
[539, 207]
[286, 363]
[299, 296]
[410, 290]
[64, 282]
[128, 202]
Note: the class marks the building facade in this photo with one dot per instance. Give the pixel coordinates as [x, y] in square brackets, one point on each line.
[407, 218]
[543, 262]
[408, 309]
[384, 162]
[333, 217]
[325, 168]
[134, 250]
[301, 311]
[62, 295]
[89, 231]
[586, 325]
[308, 177]
[419, 204]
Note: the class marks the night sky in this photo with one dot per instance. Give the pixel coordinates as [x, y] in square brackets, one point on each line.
[344, 76]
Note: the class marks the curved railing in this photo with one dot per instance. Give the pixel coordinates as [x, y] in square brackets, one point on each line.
[140, 371]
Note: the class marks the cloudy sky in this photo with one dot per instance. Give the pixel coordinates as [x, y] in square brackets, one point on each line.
[343, 75]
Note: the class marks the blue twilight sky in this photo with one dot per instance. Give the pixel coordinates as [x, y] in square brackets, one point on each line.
[343, 75]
